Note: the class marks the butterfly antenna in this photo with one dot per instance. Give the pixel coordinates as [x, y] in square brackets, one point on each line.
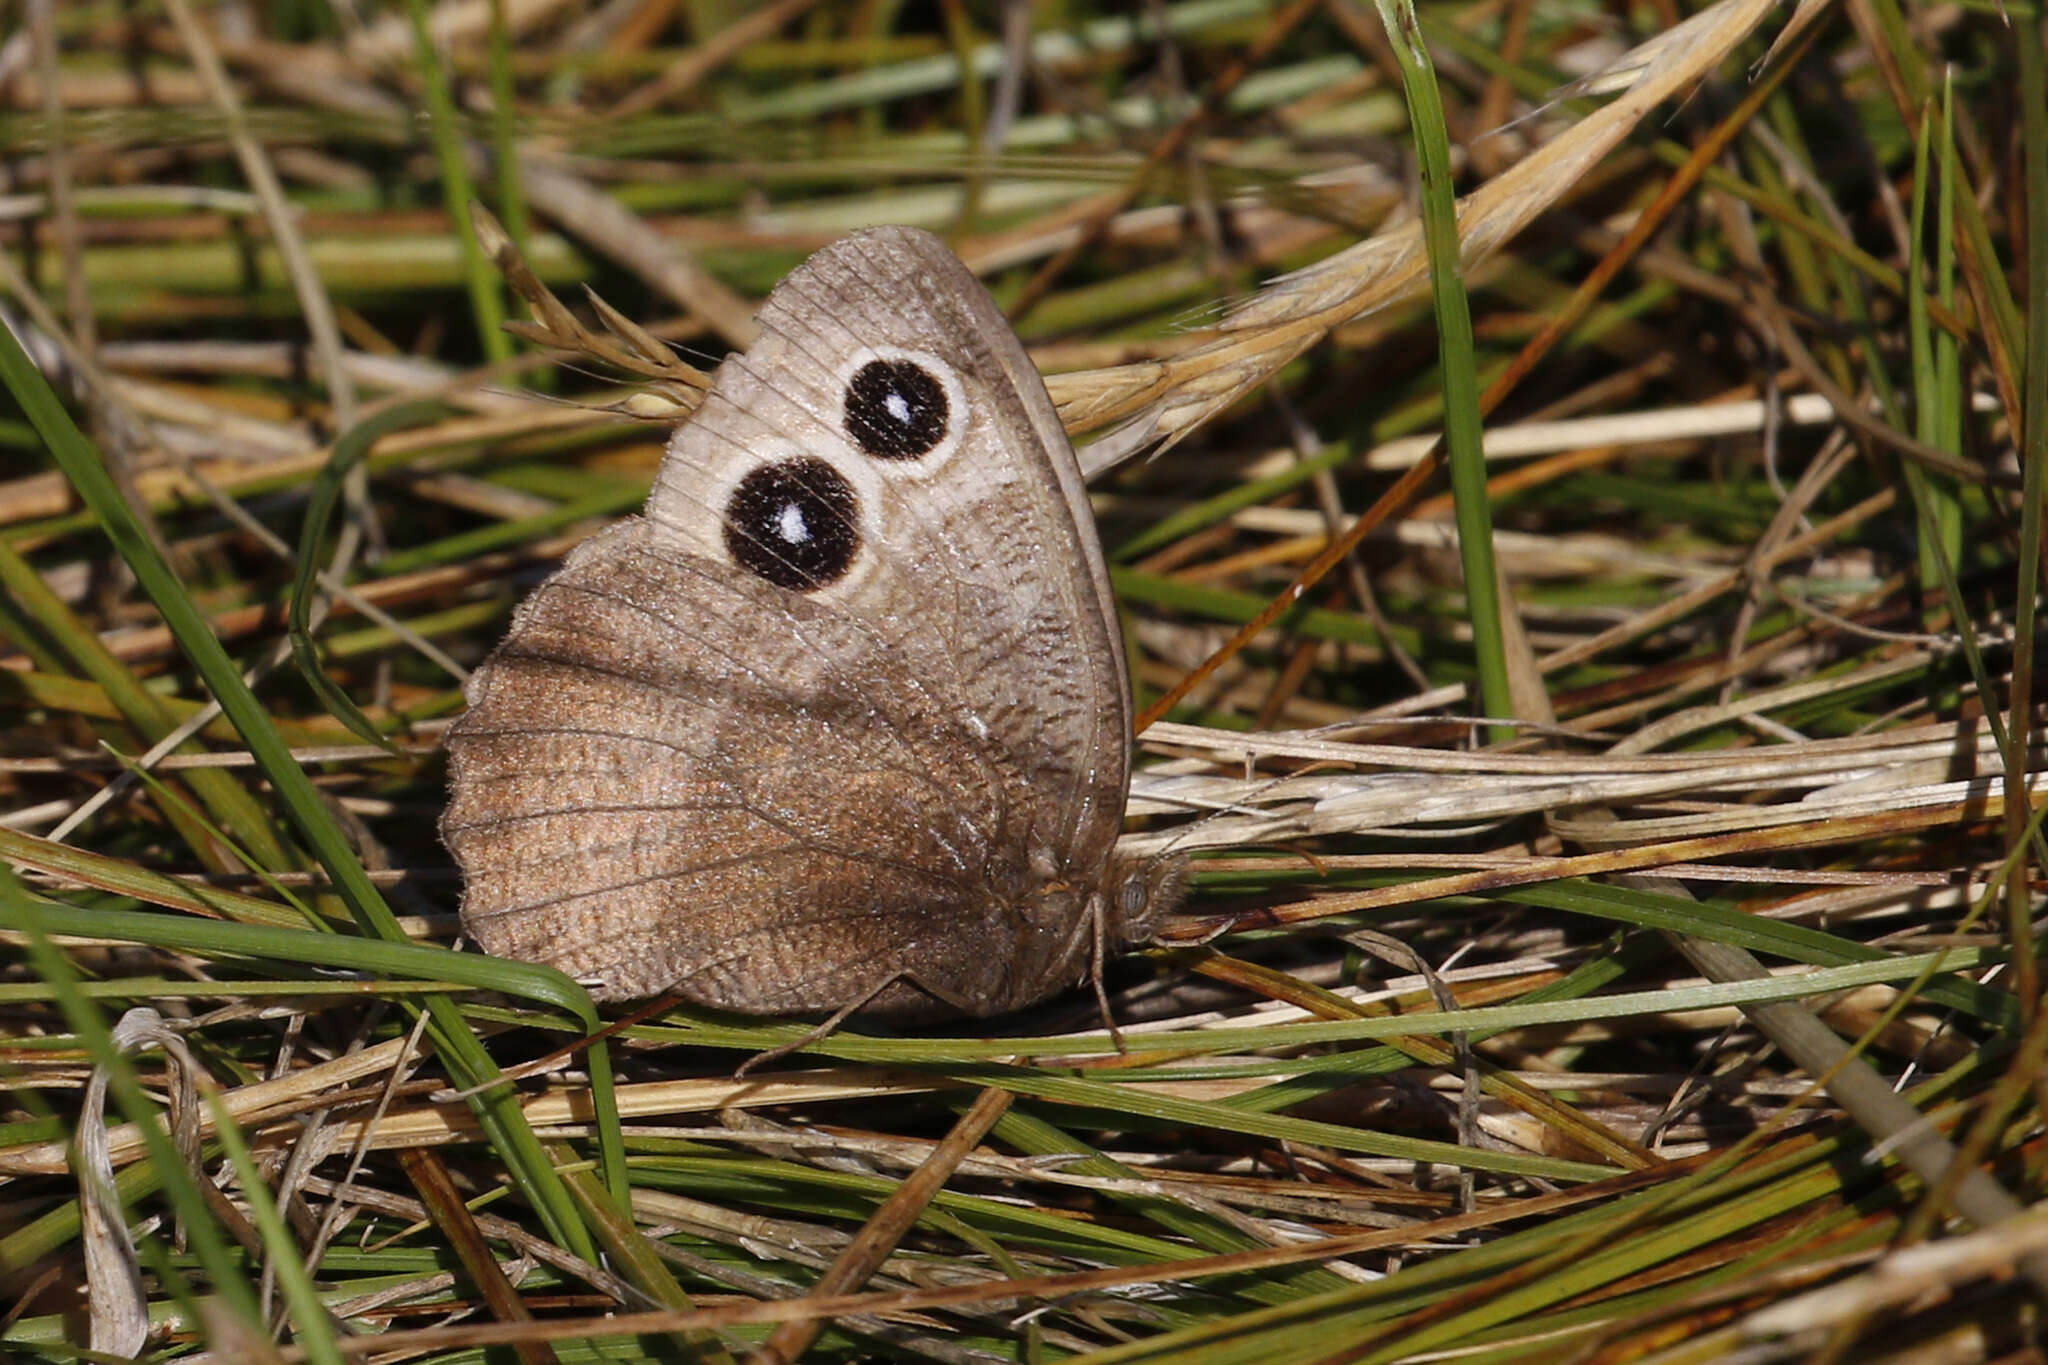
[1098, 915]
[1236, 807]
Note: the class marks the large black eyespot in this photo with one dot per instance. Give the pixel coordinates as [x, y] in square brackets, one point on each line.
[795, 524]
[896, 409]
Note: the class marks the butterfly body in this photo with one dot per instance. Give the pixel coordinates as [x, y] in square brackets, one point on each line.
[842, 721]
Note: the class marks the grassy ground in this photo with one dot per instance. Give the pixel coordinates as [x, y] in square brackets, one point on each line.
[1693, 1015]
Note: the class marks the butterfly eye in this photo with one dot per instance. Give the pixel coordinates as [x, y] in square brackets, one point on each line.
[794, 523]
[896, 409]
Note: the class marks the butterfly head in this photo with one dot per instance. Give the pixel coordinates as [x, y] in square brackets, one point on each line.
[1139, 892]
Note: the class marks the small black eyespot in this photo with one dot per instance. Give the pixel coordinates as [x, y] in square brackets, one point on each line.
[795, 524]
[896, 409]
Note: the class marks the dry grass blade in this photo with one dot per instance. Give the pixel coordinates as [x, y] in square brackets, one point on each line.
[864, 1255]
[1162, 401]
[675, 386]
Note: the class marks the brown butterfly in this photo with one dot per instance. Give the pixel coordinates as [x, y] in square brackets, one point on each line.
[843, 722]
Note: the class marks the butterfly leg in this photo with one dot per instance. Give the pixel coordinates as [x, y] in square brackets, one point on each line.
[839, 1016]
[822, 1031]
[1098, 918]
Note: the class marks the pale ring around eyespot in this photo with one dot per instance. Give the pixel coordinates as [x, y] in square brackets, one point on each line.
[857, 475]
[953, 393]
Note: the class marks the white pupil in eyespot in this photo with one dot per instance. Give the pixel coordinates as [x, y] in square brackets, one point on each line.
[898, 406]
[791, 526]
